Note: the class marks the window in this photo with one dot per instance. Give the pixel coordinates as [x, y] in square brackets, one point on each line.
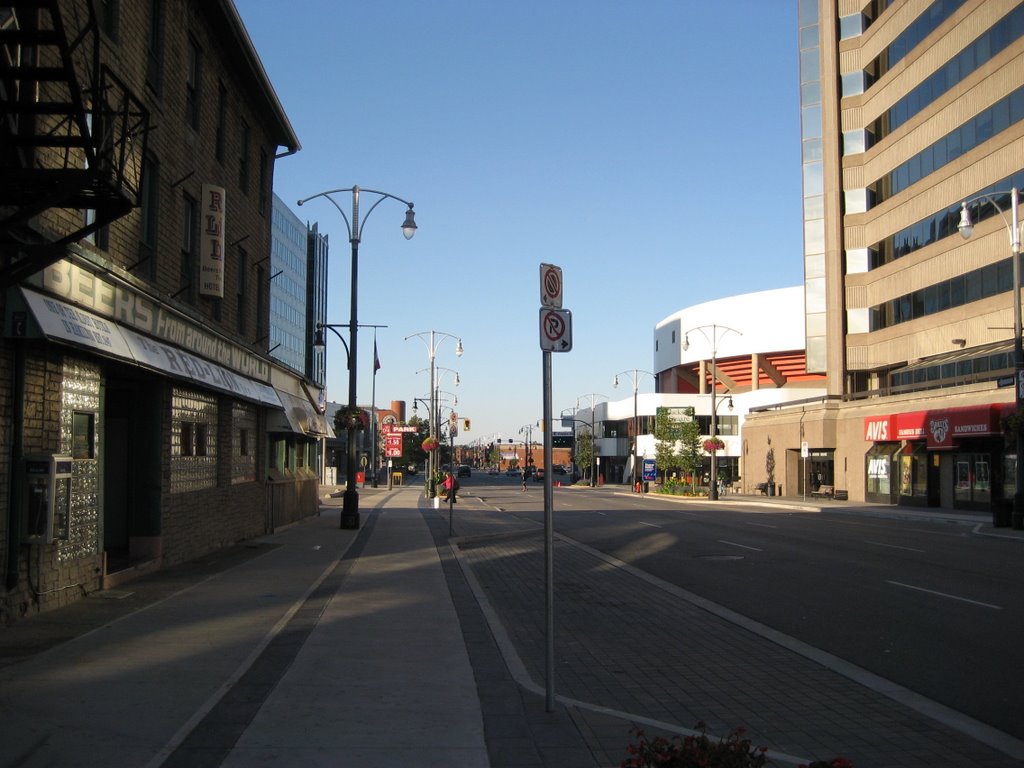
[189, 240]
[243, 158]
[155, 46]
[243, 457]
[193, 80]
[220, 140]
[107, 12]
[193, 440]
[262, 192]
[149, 212]
[83, 435]
[240, 290]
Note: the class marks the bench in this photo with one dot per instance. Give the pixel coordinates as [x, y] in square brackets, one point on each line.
[824, 490]
[761, 488]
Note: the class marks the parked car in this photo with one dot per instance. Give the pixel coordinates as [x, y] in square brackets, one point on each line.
[463, 471]
[538, 475]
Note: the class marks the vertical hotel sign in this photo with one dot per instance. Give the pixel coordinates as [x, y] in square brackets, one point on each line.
[211, 242]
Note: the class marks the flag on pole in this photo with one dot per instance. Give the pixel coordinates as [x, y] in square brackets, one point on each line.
[376, 360]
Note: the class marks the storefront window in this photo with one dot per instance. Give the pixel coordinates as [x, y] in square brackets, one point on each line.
[913, 463]
[972, 478]
[880, 470]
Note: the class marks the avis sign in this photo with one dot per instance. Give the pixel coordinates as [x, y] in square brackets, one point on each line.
[879, 429]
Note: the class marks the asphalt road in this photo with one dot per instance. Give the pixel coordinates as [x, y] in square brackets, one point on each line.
[930, 606]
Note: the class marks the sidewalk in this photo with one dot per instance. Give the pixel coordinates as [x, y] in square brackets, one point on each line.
[394, 645]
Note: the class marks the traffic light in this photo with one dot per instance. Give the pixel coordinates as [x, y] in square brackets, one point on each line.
[465, 425]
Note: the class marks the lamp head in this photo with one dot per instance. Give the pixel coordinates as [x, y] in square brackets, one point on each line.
[615, 381]
[318, 339]
[965, 226]
[729, 406]
[686, 342]
[409, 225]
[415, 406]
[456, 379]
[458, 348]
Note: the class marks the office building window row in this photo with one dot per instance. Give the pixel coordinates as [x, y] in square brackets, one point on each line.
[983, 367]
[919, 29]
[978, 284]
[992, 42]
[975, 132]
[942, 224]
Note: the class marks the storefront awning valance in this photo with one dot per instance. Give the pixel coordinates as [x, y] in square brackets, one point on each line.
[939, 427]
[299, 416]
[67, 323]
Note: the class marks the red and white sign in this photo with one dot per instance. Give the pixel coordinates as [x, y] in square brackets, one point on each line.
[550, 286]
[393, 446]
[395, 429]
[939, 427]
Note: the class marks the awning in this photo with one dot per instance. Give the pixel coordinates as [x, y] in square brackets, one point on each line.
[299, 416]
[956, 356]
[72, 325]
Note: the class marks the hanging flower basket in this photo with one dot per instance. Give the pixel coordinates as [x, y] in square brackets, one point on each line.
[713, 444]
[353, 418]
[430, 444]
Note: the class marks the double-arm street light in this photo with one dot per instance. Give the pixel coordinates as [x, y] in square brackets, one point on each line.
[1013, 227]
[635, 374]
[593, 441]
[350, 502]
[712, 340]
[435, 339]
[321, 343]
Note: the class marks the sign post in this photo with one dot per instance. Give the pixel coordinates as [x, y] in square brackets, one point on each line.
[555, 336]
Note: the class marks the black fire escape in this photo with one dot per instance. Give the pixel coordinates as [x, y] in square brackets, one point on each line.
[72, 135]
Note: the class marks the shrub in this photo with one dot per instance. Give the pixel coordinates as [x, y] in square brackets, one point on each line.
[696, 751]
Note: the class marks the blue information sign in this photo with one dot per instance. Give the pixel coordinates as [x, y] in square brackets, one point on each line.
[650, 470]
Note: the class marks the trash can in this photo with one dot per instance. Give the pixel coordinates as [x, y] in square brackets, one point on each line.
[771, 489]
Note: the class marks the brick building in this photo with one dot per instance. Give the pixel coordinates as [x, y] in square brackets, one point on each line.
[142, 422]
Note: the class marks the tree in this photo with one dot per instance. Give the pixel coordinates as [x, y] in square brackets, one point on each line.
[667, 434]
[585, 451]
[678, 439]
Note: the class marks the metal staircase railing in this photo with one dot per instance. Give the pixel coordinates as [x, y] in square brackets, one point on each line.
[73, 135]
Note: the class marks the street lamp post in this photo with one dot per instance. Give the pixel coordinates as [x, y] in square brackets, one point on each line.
[320, 342]
[1013, 227]
[636, 373]
[593, 442]
[712, 340]
[436, 337]
[350, 501]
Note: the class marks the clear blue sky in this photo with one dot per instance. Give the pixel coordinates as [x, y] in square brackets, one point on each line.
[650, 149]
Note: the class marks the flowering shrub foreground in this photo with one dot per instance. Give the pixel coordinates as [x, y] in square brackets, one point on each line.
[699, 751]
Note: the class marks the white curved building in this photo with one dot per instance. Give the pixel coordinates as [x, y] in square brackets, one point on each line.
[750, 348]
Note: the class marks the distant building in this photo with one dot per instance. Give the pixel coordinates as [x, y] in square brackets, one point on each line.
[723, 344]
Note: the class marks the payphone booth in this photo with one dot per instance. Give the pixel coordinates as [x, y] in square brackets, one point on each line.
[47, 497]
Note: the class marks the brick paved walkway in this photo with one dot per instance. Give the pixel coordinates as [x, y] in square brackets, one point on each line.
[624, 644]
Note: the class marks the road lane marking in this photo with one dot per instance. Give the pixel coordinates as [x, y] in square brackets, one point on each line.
[893, 546]
[652, 525]
[946, 594]
[763, 525]
[742, 546]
